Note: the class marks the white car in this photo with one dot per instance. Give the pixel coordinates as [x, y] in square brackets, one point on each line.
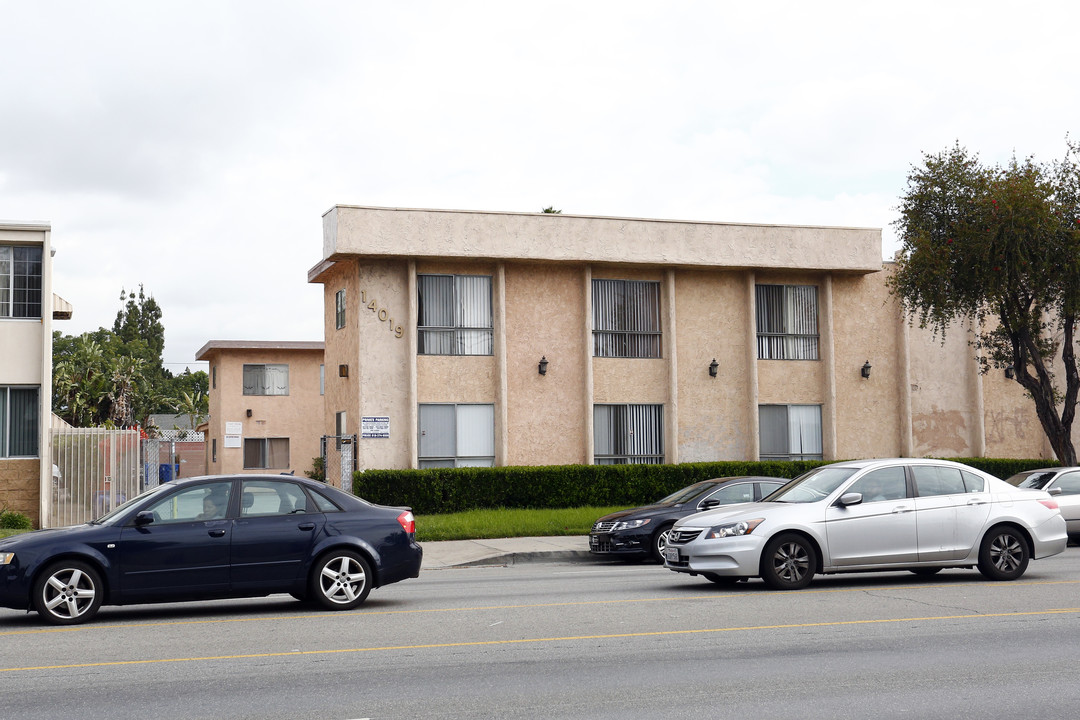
[900, 514]
[1063, 484]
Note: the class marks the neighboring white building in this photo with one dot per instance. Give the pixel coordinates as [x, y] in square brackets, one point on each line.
[27, 309]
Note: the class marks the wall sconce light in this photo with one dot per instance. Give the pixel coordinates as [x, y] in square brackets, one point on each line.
[1010, 372]
[343, 371]
[249, 412]
[866, 370]
[713, 367]
[542, 367]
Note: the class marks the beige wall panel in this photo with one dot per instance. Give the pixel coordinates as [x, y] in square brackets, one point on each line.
[791, 382]
[714, 413]
[630, 380]
[867, 410]
[942, 406]
[575, 238]
[545, 317]
[383, 360]
[1012, 426]
[462, 379]
[24, 366]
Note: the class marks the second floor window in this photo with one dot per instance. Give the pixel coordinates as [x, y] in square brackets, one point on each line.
[20, 281]
[339, 309]
[454, 315]
[626, 319]
[787, 322]
[266, 379]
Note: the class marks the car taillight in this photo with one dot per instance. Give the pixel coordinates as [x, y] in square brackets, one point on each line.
[1052, 504]
[408, 522]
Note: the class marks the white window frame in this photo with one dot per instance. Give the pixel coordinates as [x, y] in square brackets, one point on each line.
[456, 435]
[15, 301]
[626, 433]
[454, 315]
[797, 437]
[339, 309]
[787, 322]
[626, 318]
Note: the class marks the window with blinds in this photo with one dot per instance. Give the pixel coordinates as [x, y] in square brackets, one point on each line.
[454, 315]
[456, 435]
[626, 319]
[19, 421]
[787, 322]
[789, 432]
[628, 434]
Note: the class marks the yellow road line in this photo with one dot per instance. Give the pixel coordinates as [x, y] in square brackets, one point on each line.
[577, 603]
[482, 643]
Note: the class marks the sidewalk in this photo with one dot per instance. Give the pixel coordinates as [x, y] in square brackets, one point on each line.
[504, 551]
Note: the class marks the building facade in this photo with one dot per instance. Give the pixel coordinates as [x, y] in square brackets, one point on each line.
[27, 309]
[266, 404]
[479, 338]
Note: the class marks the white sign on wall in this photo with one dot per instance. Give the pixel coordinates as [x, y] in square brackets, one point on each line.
[375, 426]
[233, 441]
[234, 428]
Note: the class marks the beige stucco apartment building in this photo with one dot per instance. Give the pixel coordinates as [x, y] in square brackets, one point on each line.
[496, 338]
[27, 309]
[266, 406]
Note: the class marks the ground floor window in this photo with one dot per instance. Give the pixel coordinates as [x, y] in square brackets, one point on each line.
[626, 434]
[790, 432]
[19, 421]
[266, 453]
[456, 435]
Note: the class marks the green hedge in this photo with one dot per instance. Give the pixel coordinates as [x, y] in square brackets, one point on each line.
[448, 490]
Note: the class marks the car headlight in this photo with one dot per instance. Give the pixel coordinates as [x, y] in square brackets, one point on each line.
[6, 558]
[630, 524]
[742, 527]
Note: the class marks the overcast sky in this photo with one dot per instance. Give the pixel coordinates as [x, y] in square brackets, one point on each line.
[193, 146]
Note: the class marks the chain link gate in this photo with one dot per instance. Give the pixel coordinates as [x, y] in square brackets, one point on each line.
[339, 460]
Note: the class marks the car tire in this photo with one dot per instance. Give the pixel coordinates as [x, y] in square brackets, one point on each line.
[659, 542]
[926, 571]
[340, 580]
[788, 563]
[1004, 554]
[68, 593]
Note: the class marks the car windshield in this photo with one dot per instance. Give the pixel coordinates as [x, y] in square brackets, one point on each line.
[811, 486]
[686, 494]
[111, 517]
[1035, 480]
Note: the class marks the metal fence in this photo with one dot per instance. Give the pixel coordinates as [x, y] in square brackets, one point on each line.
[94, 470]
[339, 460]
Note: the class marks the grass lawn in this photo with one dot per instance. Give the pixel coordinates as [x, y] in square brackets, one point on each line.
[480, 524]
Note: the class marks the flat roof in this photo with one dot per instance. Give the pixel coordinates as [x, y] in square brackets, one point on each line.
[257, 345]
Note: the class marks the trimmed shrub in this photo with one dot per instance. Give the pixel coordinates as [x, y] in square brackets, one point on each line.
[12, 520]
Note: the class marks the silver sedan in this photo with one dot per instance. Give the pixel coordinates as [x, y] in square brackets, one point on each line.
[1063, 484]
[902, 514]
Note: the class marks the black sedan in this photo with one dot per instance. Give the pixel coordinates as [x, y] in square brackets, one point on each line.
[643, 531]
[209, 538]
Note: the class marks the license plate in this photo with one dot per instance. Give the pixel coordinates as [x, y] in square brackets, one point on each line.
[671, 554]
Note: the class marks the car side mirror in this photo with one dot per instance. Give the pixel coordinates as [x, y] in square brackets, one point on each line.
[708, 504]
[852, 498]
[144, 518]
[1054, 491]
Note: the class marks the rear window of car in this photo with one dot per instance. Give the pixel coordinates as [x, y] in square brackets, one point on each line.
[322, 502]
[973, 482]
[934, 480]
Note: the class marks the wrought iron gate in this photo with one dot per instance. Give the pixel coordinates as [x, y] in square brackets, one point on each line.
[94, 470]
[339, 460]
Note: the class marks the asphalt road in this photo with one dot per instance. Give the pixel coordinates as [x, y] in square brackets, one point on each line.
[573, 640]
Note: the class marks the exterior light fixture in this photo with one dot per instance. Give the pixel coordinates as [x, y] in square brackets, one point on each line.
[343, 371]
[713, 367]
[249, 412]
[1010, 372]
[542, 367]
[866, 370]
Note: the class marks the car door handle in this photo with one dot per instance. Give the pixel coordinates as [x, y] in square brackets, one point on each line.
[901, 509]
[216, 533]
[976, 501]
[306, 526]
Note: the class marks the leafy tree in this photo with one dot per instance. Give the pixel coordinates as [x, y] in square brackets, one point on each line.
[1000, 247]
[551, 209]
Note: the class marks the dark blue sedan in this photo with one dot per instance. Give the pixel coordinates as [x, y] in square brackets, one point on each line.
[210, 538]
